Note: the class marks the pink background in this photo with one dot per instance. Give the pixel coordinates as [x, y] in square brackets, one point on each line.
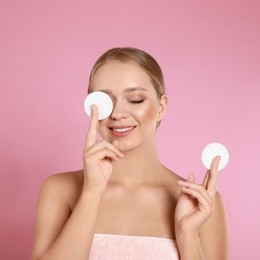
[209, 52]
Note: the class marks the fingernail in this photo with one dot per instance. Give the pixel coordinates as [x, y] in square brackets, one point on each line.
[180, 182]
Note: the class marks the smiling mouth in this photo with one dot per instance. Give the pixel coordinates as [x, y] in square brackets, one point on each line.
[122, 130]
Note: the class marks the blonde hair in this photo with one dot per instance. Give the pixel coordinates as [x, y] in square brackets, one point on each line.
[137, 57]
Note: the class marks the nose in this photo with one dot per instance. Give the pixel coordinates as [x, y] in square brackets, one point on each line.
[120, 110]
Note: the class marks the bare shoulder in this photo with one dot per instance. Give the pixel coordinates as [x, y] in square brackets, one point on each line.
[170, 180]
[64, 186]
[58, 197]
[173, 176]
[69, 179]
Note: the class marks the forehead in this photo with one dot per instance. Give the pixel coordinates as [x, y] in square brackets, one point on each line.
[117, 74]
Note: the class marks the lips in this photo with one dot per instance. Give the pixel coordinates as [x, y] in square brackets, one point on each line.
[121, 130]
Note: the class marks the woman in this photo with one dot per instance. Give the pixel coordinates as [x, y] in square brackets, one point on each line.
[124, 204]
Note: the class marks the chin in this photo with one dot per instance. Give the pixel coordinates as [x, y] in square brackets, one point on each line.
[125, 147]
[130, 146]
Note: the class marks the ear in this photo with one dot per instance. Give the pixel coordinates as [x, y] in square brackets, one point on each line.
[162, 107]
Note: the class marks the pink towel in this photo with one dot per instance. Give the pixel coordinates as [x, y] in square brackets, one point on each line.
[119, 247]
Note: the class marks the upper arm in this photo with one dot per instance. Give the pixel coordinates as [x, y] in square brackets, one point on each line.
[214, 233]
[52, 213]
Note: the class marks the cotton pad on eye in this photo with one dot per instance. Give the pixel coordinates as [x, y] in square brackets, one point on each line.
[102, 101]
[212, 150]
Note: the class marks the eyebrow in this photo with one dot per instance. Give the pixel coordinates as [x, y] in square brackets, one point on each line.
[131, 89]
[135, 89]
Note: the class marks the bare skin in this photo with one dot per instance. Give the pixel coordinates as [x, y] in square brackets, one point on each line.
[123, 180]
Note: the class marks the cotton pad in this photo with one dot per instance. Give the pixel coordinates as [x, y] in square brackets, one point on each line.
[212, 150]
[102, 101]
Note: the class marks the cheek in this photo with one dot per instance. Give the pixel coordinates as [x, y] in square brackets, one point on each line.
[147, 113]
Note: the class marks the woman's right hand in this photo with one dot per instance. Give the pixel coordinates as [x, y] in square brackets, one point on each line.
[98, 157]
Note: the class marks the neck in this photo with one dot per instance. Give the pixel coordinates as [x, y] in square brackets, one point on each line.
[139, 166]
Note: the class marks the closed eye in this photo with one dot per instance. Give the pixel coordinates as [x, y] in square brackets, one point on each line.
[136, 101]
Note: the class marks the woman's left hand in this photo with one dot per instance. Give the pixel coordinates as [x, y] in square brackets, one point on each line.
[196, 202]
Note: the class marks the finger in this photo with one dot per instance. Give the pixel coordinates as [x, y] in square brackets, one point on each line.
[103, 145]
[115, 143]
[213, 176]
[103, 154]
[204, 201]
[92, 135]
[205, 180]
[191, 178]
[194, 188]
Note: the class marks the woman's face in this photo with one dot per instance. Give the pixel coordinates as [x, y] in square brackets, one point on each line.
[137, 108]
